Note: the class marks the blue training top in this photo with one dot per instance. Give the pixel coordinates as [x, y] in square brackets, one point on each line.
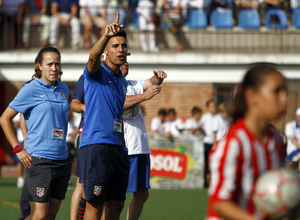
[104, 97]
[78, 94]
[44, 108]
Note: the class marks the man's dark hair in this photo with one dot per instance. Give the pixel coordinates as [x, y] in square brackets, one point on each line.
[122, 33]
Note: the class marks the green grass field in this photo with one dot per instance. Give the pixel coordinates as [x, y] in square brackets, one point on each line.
[161, 205]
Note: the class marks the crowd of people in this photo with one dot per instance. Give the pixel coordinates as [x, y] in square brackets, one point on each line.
[113, 149]
[85, 17]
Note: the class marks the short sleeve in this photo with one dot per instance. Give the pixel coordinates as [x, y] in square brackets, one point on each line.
[24, 100]
[78, 93]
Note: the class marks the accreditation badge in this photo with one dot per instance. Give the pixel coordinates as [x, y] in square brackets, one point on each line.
[118, 125]
[57, 133]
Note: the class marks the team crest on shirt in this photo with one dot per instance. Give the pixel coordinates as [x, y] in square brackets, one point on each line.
[40, 191]
[62, 93]
[97, 190]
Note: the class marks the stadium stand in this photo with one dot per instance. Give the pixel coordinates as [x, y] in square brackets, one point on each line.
[249, 19]
[221, 18]
[276, 18]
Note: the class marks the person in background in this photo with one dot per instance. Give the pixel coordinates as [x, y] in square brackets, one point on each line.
[174, 125]
[220, 124]
[92, 13]
[292, 133]
[135, 138]
[264, 5]
[104, 162]
[46, 160]
[36, 13]
[11, 14]
[158, 123]
[172, 16]
[146, 12]
[206, 123]
[65, 13]
[192, 124]
[251, 147]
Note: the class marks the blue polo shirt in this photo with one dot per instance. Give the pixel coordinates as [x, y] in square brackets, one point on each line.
[78, 94]
[44, 108]
[104, 96]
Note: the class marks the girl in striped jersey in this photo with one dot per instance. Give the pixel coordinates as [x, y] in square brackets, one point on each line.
[251, 147]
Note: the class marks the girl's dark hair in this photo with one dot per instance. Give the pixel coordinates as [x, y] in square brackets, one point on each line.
[39, 60]
[253, 78]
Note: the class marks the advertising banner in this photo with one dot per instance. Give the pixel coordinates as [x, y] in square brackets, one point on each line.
[178, 163]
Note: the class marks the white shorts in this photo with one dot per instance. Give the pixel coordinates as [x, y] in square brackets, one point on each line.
[146, 26]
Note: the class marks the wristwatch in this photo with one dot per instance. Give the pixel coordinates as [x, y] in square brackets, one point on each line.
[17, 148]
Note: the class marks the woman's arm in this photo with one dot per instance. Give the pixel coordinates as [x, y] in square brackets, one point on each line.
[8, 130]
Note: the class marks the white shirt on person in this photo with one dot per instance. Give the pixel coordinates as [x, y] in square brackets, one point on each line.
[292, 130]
[146, 8]
[135, 134]
[191, 123]
[174, 127]
[93, 6]
[220, 126]
[206, 123]
[157, 125]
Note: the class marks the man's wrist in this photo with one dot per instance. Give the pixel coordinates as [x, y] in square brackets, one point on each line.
[17, 149]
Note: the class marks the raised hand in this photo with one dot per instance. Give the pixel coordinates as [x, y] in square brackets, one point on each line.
[160, 74]
[113, 28]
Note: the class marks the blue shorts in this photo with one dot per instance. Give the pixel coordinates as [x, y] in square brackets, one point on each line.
[139, 172]
[104, 170]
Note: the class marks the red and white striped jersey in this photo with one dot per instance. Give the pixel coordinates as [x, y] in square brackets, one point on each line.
[236, 163]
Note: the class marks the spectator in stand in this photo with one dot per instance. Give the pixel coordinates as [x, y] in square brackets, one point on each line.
[270, 4]
[220, 124]
[65, 13]
[206, 123]
[172, 16]
[193, 124]
[11, 12]
[244, 4]
[210, 5]
[146, 12]
[174, 125]
[195, 4]
[295, 4]
[36, 13]
[92, 13]
[292, 132]
[158, 123]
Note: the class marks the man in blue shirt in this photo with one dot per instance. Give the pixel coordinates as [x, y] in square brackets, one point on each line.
[104, 162]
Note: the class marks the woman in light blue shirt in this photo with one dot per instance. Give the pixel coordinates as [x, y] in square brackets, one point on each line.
[44, 103]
